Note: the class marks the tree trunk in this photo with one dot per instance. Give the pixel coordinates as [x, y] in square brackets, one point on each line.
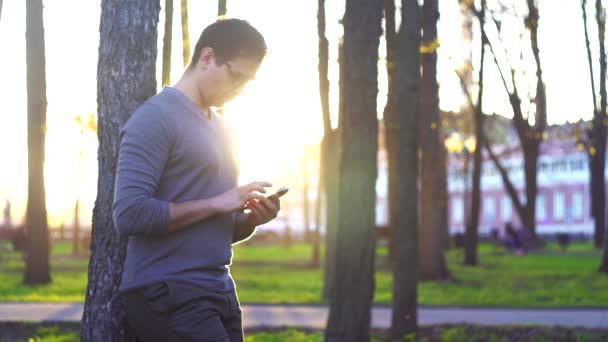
[316, 242]
[167, 38]
[530, 137]
[531, 153]
[431, 259]
[350, 306]
[533, 141]
[305, 202]
[444, 222]
[599, 135]
[0, 8]
[125, 78]
[76, 229]
[601, 148]
[185, 34]
[329, 158]
[37, 258]
[405, 231]
[221, 7]
[472, 227]
[391, 120]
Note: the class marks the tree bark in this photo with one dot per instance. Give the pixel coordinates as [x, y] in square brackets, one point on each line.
[76, 229]
[405, 231]
[329, 158]
[391, 120]
[350, 306]
[316, 242]
[37, 258]
[125, 78]
[601, 134]
[185, 34]
[472, 228]
[431, 260]
[167, 40]
[305, 201]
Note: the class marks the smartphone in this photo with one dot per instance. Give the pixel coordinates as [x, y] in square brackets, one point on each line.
[280, 192]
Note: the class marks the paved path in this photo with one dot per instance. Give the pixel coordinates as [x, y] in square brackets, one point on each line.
[315, 316]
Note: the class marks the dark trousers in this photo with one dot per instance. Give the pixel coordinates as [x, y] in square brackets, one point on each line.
[169, 311]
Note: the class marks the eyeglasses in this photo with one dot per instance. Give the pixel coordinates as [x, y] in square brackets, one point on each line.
[238, 78]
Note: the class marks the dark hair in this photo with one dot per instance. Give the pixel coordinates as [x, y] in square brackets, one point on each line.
[229, 39]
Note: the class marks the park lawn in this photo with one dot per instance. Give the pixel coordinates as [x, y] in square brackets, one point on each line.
[276, 274]
[68, 332]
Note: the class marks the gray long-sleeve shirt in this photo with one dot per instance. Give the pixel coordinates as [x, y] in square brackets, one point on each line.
[170, 151]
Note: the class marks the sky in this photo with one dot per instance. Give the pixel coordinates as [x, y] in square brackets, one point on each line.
[278, 113]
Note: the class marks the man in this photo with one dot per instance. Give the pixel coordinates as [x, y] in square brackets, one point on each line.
[177, 200]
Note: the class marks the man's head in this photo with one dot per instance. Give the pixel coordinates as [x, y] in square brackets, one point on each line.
[227, 55]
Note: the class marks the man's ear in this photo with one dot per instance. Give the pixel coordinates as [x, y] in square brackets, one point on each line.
[207, 57]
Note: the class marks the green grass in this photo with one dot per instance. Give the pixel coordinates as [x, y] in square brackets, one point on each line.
[67, 332]
[275, 274]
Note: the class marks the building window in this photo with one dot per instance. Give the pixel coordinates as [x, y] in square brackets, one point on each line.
[577, 165]
[457, 210]
[541, 211]
[577, 204]
[507, 214]
[559, 205]
[489, 210]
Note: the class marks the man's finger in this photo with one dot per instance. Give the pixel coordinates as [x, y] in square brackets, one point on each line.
[269, 204]
[255, 211]
[259, 186]
[263, 210]
[254, 196]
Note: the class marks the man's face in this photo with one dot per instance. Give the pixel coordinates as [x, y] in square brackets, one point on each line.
[223, 81]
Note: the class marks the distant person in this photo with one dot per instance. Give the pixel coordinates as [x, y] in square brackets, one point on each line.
[563, 240]
[514, 241]
[8, 222]
[177, 199]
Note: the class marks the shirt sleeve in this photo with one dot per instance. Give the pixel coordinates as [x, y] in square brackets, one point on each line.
[143, 153]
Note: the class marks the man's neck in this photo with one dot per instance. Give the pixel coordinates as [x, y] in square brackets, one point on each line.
[189, 88]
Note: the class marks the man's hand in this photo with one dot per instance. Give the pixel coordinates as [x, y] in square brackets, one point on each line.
[236, 198]
[263, 210]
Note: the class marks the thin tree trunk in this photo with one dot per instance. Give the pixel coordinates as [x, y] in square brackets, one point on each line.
[167, 38]
[329, 159]
[472, 228]
[76, 226]
[404, 319]
[601, 149]
[37, 259]
[533, 141]
[125, 78]
[185, 34]
[76, 229]
[431, 259]
[530, 137]
[599, 133]
[391, 120]
[221, 7]
[589, 60]
[316, 243]
[444, 229]
[331, 162]
[350, 306]
[0, 8]
[305, 202]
